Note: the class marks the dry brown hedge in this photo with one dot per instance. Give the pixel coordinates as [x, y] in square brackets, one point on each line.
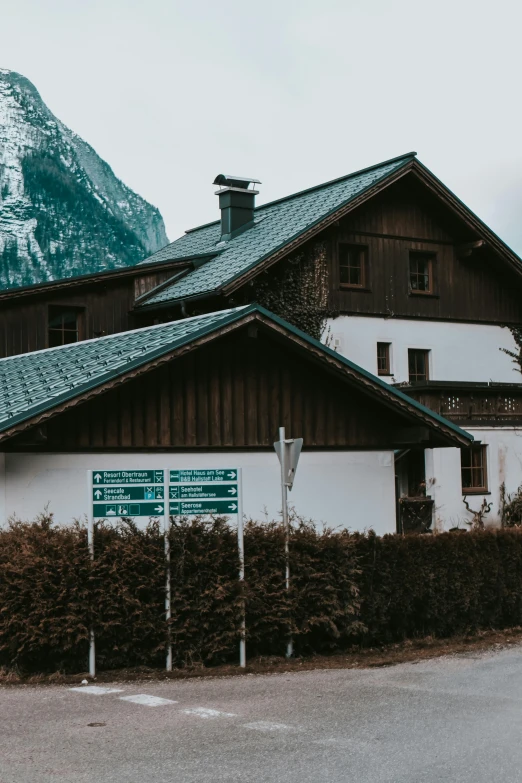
[345, 589]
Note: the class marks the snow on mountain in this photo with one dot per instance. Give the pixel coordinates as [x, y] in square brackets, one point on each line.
[63, 212]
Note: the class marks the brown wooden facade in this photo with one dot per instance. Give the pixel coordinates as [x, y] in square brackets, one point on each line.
[231, 393]
[104, 304]
[469, 283]
[473, 286]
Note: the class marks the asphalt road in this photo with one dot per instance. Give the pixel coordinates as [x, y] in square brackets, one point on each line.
[450, 719]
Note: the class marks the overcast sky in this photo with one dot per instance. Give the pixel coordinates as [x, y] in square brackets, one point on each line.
[292, 92]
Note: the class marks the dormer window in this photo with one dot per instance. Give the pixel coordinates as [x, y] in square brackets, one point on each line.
[353, 266]
[64, 325]
[421, 272]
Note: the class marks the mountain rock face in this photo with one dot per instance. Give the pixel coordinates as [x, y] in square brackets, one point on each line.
[63, 212]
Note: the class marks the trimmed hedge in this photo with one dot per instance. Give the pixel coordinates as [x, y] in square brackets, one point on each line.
[440, 585]
[346, 589]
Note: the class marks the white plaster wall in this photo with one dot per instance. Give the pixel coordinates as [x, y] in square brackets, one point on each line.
[353, 490]
[458, 351]
[504, 462]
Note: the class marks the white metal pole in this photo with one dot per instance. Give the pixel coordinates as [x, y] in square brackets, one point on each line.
[241, 552]
[90, 544]
[166, 531]
[284, 498]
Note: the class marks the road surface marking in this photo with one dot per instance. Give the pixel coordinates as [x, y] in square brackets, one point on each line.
[205, 712]
[96, 690]
[147, 701]
[266, 725]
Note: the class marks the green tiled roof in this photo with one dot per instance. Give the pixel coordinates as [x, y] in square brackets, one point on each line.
[36, 382]
[275, 225]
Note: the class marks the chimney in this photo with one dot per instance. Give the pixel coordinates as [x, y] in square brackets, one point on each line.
[236, 203]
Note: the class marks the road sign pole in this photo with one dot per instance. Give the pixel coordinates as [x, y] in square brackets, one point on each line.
[286, 526]
[241, 551]
[90, 544]
[166, 533]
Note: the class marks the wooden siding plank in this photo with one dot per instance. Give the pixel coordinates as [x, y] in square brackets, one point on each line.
[204, 401]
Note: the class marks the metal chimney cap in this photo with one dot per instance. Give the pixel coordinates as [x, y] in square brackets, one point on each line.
[227, 180]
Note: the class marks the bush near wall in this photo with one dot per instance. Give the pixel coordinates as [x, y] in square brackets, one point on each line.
[440, 585]
[345, 589]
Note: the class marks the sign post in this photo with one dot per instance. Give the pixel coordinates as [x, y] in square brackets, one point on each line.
[168, 613]
[241, 552]
[212, 491]
[128, 493]
[90, 545]
[288, 452]
[148, 493]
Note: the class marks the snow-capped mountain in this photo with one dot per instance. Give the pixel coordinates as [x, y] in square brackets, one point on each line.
[63, 212]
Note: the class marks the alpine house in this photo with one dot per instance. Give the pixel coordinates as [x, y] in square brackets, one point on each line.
[366, 315]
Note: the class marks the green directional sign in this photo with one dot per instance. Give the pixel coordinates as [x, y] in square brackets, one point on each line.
[122, 509]
[202, 491]
[196, 507]
[225, 474]
[102, 477]
[113, 494]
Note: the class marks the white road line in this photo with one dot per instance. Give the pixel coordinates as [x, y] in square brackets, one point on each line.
[205, 712]
[147, 701]
[96, 690]
[266, 725]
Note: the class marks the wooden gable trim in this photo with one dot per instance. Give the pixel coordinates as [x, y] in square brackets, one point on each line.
[376, 391]
[324, 358]
[315, 229]
[44, 416]
[430, 181]
[468, 217]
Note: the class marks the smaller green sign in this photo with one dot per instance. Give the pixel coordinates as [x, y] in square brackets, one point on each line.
[147, 492]
[101, 477]
[108, 510]
[202, 491]
[225, 474]
[196, 507]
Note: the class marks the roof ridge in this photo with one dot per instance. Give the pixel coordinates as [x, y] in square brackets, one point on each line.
[311, 189]
[338, 179]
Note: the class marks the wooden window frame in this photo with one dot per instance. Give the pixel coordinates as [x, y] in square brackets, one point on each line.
[430, 258]
[387, 358]
[80, 321]
[426, 352]
[363, 285]
[475, 490]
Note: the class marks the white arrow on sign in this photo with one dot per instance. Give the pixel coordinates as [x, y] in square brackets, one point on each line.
[97, 477]
[159, 509]
[231, 475]
[233, 506]
[98, 493]
[233, 491]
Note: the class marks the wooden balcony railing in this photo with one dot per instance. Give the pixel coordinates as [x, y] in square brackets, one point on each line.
[480, 403]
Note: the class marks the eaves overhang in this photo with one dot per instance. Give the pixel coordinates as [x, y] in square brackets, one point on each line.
[322, 223]
[77, 281]
[467, 215]
[227, 286]
[222, 323]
